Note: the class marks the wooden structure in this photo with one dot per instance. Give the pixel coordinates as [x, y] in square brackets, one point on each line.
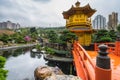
[91, 66]
[78, 20]
[112, 47]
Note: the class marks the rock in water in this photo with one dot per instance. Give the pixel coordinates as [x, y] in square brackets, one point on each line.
[44, 71]
[52, 73]
[62, 77]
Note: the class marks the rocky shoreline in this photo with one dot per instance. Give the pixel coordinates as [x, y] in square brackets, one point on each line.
[57, 58]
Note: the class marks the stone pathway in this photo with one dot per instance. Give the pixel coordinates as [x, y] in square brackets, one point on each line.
[15, 47]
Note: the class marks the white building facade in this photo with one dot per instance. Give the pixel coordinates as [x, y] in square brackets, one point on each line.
[9, 25]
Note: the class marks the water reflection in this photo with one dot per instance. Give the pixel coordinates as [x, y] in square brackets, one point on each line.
[14, 52]
[34, 55]
[21, 64]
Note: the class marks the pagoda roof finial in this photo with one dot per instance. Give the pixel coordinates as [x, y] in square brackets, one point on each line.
[77, 3]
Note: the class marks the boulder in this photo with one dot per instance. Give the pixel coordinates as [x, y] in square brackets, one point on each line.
[1, 44]
[44, 71]
[52, 73]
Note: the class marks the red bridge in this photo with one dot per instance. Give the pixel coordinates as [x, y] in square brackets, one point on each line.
[91, 66]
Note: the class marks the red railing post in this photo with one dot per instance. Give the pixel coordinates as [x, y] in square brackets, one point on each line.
[117, 46]
[95, 46]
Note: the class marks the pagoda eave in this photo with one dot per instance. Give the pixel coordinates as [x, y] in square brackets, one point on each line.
[69, 13]
[76, 10]
[89, 31]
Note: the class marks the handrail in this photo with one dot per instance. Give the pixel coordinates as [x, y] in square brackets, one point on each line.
[111, 49]
[83, 56]
[88, 57]
[79, 67]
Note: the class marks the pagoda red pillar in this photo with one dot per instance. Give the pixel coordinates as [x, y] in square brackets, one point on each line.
[117, 46]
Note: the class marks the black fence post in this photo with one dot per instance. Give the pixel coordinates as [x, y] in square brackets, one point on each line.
[103, 61]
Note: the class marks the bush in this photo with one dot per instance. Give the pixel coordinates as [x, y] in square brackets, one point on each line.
[2, 61]
[61, 52]
[38, 47]
[104, 39]
[105, 36]
[49, 50]
[3, 73]
[118, 28]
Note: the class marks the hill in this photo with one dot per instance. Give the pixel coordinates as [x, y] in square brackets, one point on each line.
[8, 32]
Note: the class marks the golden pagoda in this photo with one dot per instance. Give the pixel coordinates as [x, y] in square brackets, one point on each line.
[78, 20]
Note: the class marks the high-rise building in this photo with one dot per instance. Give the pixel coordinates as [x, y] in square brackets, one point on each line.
[112, 21]
[9, 25]
[99, 22]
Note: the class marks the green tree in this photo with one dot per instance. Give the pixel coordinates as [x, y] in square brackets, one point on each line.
[33, 30]
[3, 73]
[5, 38]
[34, 36]
[118, 28]
[65, 37]
[52, 36]
[112, 35]
[102, 36]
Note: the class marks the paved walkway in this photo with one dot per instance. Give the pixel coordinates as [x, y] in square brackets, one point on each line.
[15, 47]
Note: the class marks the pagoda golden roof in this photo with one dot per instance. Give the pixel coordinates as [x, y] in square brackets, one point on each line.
[77, 10]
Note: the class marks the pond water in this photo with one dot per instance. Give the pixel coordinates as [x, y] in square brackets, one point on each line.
[21, 64]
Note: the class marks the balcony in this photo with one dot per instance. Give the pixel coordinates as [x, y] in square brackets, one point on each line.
[71, 24]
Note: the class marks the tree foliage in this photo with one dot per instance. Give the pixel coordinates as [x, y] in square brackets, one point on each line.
[49, 50]
[67, 36]
[52, 36]
[33, 30]
[5, 38]
[118, 28]
[112, 35]
[3, 73]
[103, 36]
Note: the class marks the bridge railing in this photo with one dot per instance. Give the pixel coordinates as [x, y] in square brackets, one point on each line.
[85, 67]
[83, 61]
[111, 47]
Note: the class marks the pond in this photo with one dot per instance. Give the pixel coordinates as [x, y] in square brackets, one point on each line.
[21, 64]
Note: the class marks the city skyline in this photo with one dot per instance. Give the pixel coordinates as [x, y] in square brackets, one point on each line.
[49, 12]
[9, 25]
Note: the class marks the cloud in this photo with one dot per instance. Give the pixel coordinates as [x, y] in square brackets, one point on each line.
[5, 3]
[49, 12]
[43, 1]
[105, 7]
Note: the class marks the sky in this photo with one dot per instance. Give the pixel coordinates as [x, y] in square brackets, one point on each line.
[48, 13]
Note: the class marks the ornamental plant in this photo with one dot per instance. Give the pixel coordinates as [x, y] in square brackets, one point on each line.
[27, 38]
